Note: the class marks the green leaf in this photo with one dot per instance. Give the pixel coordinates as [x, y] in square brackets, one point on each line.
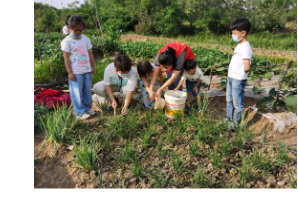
[265, 100]
[256, 90]
[261, 107]
[291, 103]
[282, 144]
[272, 92]
[293, 149]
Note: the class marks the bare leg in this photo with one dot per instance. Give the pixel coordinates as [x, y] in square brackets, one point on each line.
[189, 97]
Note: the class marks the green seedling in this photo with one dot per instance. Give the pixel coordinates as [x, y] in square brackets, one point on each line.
[202, 106]
[172, 136]
[243, 171]
[292, 180]
[216, 160]
[137, 169]
[160, 150]
[133, 124]
[58, 124]
[226, 147]
[125, 154]
[86, 154]
[146, 138]
[177, 162]
[201, 180]
[103, 106]
[160, 180]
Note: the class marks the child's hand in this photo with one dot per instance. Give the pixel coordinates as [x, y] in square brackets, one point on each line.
[93, 71]
[195, 89]
[124, 111]
[152, 95]
[158, 94]
[175, 89]
[114, 104]
[72, 77]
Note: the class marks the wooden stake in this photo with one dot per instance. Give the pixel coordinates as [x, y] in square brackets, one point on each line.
[213, 67]
[114, 112]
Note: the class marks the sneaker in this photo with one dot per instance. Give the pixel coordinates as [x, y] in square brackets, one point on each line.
[83, 116]
[232, 126]
[90, 112]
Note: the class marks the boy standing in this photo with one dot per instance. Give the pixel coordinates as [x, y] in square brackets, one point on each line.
[238, 68]
[193, 77]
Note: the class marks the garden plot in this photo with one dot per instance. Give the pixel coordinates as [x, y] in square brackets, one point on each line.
[146, 150]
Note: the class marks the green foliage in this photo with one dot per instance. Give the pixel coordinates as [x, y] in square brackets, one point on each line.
[257, 90]
[291, 103]
[39, 111]
[86, 153]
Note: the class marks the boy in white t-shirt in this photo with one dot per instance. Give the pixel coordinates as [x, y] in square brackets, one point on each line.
[238, 68]
[119, 75]
[193, 77]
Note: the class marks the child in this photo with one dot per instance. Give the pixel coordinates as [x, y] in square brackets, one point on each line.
[193, 76]
[119, 76]
[145, 71]
[78, 60]
[238, 68]
[65, 30]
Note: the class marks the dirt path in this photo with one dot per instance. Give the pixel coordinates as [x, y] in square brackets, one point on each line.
[257, 51]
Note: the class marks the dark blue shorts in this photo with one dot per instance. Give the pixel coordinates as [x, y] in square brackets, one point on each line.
[190, 85]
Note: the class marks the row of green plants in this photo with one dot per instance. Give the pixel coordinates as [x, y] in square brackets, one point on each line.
[47, 46]
[191, 151]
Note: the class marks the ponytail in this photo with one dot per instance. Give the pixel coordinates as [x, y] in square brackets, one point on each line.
[167, 57]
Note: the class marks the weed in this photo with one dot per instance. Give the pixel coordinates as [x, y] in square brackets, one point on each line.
[172, 136]
[243, 171]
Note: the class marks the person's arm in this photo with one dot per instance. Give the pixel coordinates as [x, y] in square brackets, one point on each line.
[71, 76]
[127, 101]
[196, 86]
[111, 96]
[152, 83]
[92, 62]
[246, 65]
[174, 76]
[179, 85]
[160, 78]
[146, 84]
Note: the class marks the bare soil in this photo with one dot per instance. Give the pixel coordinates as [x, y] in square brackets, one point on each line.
[257, 51]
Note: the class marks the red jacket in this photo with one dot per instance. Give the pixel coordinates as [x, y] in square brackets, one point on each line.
[178, 47]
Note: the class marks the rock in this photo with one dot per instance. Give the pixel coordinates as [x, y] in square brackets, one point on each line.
[133, 180]
[268, 185]
[281, 183]
[196, 163]
[231, 161]
[248, 185]
[209, 165]
[205, 163]
[233, 171]
[207, 146]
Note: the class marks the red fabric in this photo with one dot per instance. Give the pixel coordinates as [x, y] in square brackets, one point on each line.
[51, 97]
[178, 47]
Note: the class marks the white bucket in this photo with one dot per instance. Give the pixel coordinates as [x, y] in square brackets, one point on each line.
[175, 103]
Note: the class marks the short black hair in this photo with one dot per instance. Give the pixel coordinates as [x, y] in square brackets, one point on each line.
[241, 24]
[190, 64]
[144, 67]
[74, 20]
[122, 63]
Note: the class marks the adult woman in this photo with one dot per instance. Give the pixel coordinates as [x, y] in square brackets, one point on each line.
[171, 59]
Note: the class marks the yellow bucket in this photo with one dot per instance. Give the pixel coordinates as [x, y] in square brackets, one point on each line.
[175, 103]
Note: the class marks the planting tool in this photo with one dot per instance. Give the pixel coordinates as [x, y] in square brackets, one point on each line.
[114, 112]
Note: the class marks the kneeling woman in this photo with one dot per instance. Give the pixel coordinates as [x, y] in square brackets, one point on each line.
[119, 76]
[171, 59]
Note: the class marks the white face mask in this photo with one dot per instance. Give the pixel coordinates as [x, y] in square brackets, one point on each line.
[164, 70]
